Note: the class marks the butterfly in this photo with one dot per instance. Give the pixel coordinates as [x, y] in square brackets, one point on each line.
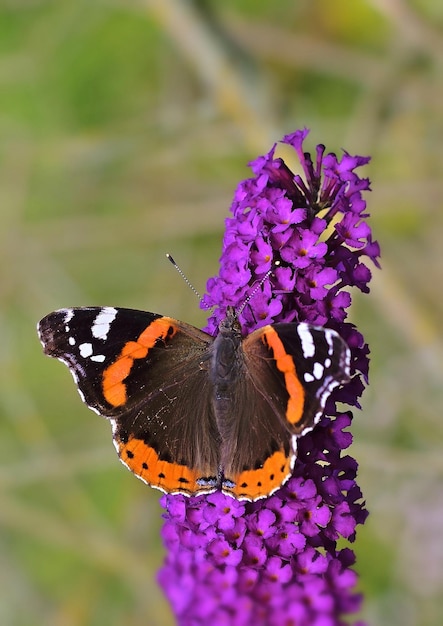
[192, 413]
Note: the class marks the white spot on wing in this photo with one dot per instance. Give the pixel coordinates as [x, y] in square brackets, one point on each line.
[102, 323]
[71, 341]
[294, 451]
[69, 314]
[330, 335]
[307, 341]
[308, 377]
[98, 358]
[85, 350]
[318, 370]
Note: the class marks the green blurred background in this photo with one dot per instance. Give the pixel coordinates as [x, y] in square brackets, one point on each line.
[124, 128]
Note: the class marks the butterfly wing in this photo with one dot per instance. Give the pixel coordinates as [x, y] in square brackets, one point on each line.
[288, 373]
[148, 375]
[308, 362]
[258, 451]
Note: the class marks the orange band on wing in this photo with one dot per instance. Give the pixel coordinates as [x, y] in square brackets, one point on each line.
[114, 388]
[144, 461]
[260, 483]
[286, 365]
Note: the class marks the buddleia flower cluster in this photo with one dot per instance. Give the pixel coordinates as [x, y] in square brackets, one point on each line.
[276, 561]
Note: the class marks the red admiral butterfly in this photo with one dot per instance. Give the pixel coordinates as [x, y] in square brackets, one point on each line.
[191, 413]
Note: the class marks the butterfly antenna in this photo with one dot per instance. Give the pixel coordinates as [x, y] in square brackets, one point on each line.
[257, 288]
[185, 278]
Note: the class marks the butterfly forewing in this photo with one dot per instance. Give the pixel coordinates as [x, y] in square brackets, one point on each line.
[142, 371]
[304, 364]
[88, 340]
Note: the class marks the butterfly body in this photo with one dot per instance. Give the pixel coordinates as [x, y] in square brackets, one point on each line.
[191, 413]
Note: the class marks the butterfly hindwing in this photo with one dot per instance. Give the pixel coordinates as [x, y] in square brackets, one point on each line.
[258, 451]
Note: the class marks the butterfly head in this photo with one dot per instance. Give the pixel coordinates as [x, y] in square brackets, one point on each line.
[230, 324]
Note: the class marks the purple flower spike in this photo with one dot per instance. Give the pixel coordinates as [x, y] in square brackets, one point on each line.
[276, 560]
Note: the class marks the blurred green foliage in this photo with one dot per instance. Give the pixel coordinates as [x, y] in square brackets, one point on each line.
[125, 127]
